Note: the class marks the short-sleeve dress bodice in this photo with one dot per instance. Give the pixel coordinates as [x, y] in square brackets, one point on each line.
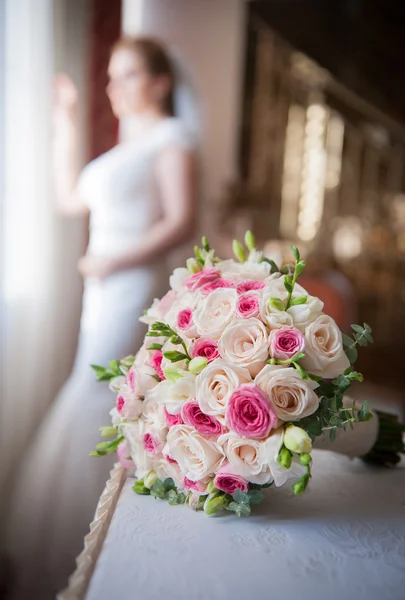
[121, 192]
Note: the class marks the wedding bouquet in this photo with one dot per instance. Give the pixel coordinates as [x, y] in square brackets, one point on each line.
[240, 371]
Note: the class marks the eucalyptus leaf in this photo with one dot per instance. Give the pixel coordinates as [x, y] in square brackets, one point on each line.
[241, 497]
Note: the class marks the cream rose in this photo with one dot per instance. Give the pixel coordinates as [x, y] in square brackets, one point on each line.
[215, 312]
[174, 394]
[196, 456]
[216, 384]
[249, 458]
[245, 343]
[324, 352]
[291, 397]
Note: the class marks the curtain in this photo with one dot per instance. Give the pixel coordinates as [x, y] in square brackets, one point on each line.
[41, 291]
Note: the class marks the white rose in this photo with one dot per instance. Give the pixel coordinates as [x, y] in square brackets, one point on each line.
[299, 316]
[231, 269]
[133, 432]
[303, 314]
[245, 343]
[279, 473]
[215, 312]
[153, 412]
[196, 456]
[215, 385]
[174, 394]
[152, 314]
[291, 397]
[324, 352]
[177, 278]
[248, 457]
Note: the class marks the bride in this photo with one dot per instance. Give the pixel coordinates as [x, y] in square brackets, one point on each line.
[140, 196]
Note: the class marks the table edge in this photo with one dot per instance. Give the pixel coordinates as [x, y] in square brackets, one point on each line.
[93, 542]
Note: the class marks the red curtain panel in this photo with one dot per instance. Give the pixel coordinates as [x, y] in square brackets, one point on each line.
[105, 29]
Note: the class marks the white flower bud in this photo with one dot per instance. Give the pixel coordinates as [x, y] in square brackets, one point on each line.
[197, 364]
[150, 479]
[297, 440]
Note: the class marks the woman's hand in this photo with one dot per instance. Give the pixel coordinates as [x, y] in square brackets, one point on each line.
[65, 93]
[97, 267]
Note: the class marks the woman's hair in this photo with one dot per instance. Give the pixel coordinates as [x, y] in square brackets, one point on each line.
[156, 61]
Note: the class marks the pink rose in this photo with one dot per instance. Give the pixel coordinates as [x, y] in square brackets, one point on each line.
[156, 363]
[185, 319]
[286, 342]
[248, 286]
[214, 285]
[198, 487]
[206, 348]
[124, 455]
[249, 413]
[151, 444]
[228, 481]
[192, 414]
[173, 419]
[196, 281]
[248, 306]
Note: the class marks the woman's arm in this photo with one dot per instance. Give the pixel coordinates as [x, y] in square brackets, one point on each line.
[176, 180]
[66, 148]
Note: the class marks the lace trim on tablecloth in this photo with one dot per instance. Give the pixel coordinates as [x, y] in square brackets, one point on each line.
[93, 542]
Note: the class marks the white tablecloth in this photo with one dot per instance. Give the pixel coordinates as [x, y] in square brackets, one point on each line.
[344, 539]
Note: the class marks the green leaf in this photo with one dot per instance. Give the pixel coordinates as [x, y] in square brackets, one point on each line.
[250, 241]
[255, 496]
[277, 304]
[158, 325]
[332, 435]
[174, 356]
[299, 267]
[314, 429]
[98, 370]
[314, 377]
[169, 484]
[140, 488]
[155, 347]
[300, 370]
[241, 497]
[352, 354]
[357, 328]
[299, 300]
[360, 339]
[295, 252]
[153, 334]
[347, 340]
[274, 268]
[367, 328]
[205, 244]
[288, 284]
[239, 251]
[115, 367]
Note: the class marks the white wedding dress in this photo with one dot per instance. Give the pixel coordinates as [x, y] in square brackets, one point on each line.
[57, 492]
